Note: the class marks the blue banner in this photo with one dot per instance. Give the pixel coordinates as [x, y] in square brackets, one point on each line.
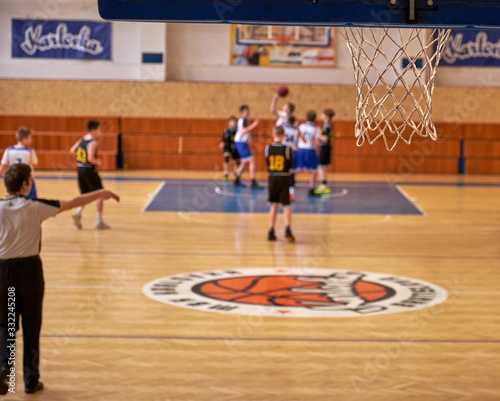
[61, 39]
[470, 47]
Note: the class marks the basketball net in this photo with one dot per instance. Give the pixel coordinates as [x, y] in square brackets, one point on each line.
[394, 101]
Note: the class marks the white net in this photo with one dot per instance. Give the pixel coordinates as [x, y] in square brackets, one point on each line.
[395, 71]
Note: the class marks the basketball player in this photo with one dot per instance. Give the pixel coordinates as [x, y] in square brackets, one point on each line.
[290, 139]
[279, 162]
[282, 115]
[242, 138]
[307, 159]
[88, 178]
[228, 147]
[325, 150]
[21, 275]
[21, 153]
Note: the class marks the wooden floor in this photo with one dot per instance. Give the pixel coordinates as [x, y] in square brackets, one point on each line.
[103, 339]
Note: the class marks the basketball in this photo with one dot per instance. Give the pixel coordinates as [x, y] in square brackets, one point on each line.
[282, 91]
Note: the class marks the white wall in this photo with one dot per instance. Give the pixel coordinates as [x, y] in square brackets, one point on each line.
[192, 52]
[200, 52]
[129, 41]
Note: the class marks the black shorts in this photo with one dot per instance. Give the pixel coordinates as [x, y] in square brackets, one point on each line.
[279, 189]
[88, 179]
[324, 155]
[231, 151]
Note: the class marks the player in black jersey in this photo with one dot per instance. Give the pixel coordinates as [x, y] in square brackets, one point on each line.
[279, 162]
[228, 147]
[325, 151]
[85, 151]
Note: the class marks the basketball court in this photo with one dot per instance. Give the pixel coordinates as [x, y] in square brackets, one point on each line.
[389, 292]
[104, 338]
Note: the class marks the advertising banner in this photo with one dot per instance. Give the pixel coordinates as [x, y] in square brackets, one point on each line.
[61, 39]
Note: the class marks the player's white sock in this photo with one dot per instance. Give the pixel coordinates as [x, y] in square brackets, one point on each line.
[78, 210]
[98, 218]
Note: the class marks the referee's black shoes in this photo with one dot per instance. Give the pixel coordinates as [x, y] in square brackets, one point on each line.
[34, 389]
[3, 381]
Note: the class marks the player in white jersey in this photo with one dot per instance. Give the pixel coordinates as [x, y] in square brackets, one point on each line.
[291, 133]
[282, 115]
[22, 152]
[307, 159]
[241, 139]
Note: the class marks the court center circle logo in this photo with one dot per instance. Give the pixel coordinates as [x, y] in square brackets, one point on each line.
[295, 292]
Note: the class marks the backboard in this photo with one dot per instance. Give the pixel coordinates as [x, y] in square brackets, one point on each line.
[387, 13]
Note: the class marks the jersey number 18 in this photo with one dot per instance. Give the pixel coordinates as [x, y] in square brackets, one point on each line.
[276, 163]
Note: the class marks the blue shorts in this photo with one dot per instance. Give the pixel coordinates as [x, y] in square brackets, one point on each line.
[244, 151]
[32, 194]
[294, 161]
[306, 160]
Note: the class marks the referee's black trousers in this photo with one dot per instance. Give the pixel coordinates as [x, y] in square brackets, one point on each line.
[24, 278]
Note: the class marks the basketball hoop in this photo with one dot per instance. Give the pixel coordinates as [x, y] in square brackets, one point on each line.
[283, 40]
[395, 71]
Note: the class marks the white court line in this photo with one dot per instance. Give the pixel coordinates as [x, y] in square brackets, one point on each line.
[220, 191]
[409, 199]
[160, 187]
[185, 216]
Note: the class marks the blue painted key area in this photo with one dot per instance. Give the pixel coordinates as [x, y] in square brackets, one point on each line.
[216, 197]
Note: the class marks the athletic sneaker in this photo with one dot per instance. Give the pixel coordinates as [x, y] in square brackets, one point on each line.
[311, 192]
[270, 235]
[255, 185]
[101, 225]
[225, 179]
[289, 236]
[77, 220]
[238, 183]
[322, 189]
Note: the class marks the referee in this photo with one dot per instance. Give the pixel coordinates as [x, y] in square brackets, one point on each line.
[21, 275]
